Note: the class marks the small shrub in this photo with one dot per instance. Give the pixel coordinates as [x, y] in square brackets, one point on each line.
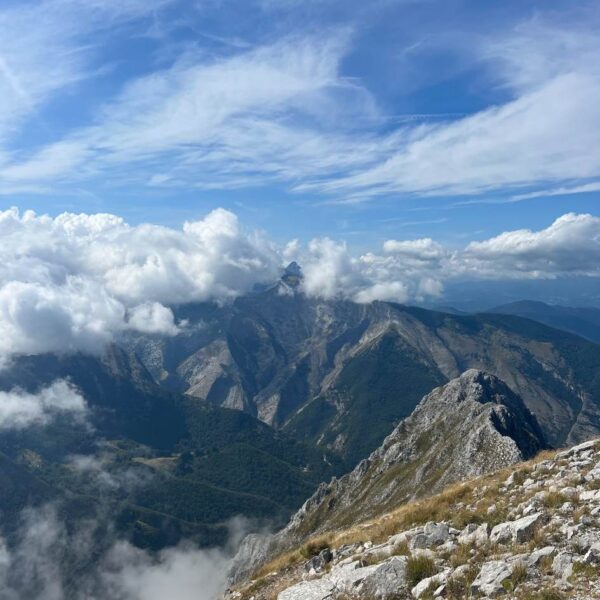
[550, 594]
[458, 588]
[580, 512]
[544, 594]
[401, 549]
[314, 547]
[545, 564]
[461, 555]
[538, 539]
[519, 477]
[419, 568]
[585, 570]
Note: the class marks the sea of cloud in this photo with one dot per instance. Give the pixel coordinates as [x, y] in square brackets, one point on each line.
[50, 559]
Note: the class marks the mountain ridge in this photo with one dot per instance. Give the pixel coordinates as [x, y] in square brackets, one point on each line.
[322, 367]
[470, 426]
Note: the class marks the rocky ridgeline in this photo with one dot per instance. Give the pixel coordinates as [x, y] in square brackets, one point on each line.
[533, 534]
[470, 426]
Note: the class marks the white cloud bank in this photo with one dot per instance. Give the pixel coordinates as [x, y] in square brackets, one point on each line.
[71, 283]
[74, 282]
[42, 563]
[20, 409]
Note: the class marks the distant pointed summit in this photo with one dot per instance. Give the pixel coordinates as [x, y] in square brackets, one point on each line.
[292, 274]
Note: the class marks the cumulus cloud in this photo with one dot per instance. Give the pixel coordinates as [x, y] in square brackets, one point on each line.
[73, 282]
[76, 282]
[20, 409]
[417, 269]
[152, 317]
[569, 246]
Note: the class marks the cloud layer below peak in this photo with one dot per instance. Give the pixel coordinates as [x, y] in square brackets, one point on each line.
[74, 282]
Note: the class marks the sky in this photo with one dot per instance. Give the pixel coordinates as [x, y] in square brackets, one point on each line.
[158, 152]
[450, 119]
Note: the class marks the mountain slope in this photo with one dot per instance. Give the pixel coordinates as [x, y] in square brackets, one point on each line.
[470, 426]
[171, 465]
[582, 321]
[530, 532]
[327, 370]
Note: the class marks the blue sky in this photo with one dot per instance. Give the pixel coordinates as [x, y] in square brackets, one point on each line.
[363, 121]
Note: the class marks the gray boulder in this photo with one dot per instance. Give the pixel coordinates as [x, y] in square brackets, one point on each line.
[518, 531]
[490, 578]
[437, 533]
[434, 581]
[317, 589]
[387, 580]
[318, 563]
[562, 565]
[474, 534]
[537, 555]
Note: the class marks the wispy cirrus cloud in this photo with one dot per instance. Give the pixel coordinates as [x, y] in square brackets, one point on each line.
[46, 47]
[285, 109]
[222, 123]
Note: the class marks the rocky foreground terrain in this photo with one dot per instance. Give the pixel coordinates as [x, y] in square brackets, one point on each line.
[531, 532]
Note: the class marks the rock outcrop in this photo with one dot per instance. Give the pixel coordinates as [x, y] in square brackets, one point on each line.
[533, 534]
[472, 425]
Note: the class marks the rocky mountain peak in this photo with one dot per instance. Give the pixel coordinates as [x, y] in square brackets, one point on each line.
[472, 425]
[468, 427]
[531, 532]
[292, 274]
[475, 385]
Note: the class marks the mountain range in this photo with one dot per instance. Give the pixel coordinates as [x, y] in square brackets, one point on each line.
[342, 375]
[253, 404]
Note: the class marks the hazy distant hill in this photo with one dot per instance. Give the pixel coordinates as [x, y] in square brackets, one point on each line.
[583, 321]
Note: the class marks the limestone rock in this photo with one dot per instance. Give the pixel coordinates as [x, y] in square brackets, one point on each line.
[518, 531]
[490, 578]
[387, 580]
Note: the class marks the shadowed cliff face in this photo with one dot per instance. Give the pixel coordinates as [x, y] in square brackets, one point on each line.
[342, 375]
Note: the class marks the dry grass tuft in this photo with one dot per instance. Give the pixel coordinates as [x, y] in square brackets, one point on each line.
[419, 568]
